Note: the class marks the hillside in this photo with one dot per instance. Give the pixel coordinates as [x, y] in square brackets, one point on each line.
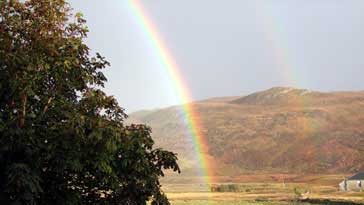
[278, 130]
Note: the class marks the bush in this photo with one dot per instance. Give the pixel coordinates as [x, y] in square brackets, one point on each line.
[227, 188]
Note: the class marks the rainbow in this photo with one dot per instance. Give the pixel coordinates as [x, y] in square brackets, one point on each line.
[283, 60]
[281, 52]
[184, 98]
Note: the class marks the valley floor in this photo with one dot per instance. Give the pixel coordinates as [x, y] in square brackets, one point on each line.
[235, 203]
[320, 189]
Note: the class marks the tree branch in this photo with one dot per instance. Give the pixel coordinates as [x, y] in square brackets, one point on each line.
[23, 112]
[47, 105]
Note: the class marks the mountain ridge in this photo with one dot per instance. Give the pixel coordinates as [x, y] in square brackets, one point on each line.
[276, 130]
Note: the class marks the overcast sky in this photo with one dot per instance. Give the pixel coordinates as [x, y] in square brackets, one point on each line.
[228, 47]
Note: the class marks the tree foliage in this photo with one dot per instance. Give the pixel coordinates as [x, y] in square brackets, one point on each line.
[62, 139]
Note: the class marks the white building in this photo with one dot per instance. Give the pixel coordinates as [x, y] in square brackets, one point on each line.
[353, 183]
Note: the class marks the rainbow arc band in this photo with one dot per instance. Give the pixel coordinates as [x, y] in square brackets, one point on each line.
[166, 59]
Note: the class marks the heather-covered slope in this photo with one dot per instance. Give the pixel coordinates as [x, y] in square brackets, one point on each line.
[277, 130]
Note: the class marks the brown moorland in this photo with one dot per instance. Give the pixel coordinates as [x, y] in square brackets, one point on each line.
[280, 130]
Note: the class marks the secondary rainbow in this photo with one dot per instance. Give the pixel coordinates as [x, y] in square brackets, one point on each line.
[167, 61]
[281, 56]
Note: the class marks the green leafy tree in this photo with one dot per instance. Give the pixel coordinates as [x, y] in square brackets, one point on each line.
[62, 140]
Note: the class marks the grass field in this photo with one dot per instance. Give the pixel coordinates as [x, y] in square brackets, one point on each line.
[234, 203]
[264, 192]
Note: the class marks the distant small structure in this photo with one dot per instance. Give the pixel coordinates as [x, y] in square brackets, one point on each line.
[353, 183]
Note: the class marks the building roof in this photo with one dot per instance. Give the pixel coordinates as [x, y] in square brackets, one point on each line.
[357, 176]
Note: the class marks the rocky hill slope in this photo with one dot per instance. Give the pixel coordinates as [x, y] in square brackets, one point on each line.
[278, 130]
